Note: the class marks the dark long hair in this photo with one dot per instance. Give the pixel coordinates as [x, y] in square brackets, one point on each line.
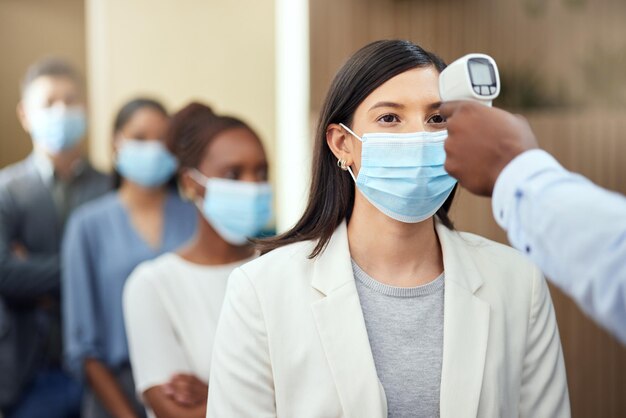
[331, 195]
[124, 115]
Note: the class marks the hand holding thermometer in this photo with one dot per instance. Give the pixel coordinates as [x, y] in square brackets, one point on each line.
[472, 77]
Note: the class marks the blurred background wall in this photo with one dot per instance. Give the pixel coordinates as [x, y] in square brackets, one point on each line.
[219, 52]
[562, 62]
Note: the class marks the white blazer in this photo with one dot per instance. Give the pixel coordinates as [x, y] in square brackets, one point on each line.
[291, 341]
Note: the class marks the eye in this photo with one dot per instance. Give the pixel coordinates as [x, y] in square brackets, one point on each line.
[437, 119]
[232, 174]
[261, 174]
[389, 118]
[70, 100]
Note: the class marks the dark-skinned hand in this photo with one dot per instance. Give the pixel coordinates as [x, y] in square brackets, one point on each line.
[481, 142]
[187, 390]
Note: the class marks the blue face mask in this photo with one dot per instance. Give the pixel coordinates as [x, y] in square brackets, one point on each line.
[57, 129]
[147, 162]
[402, 175]
[237, 210]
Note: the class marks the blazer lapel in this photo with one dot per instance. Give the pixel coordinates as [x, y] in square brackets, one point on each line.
[342, 331]
[465, 332]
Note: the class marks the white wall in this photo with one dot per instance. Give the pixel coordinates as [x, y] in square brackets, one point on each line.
[219, 52]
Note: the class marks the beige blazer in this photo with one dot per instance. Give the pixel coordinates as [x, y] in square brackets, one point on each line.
[291, 340]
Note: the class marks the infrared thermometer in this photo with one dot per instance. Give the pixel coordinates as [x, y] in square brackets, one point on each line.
[472, 77]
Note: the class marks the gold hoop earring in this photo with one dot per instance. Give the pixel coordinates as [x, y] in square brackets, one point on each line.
[342, 164]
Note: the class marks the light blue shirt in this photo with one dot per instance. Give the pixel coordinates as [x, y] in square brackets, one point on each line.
[572, 229]
[100, 250]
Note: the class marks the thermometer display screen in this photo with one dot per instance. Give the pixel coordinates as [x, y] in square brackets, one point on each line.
[481, 73]
[471, 77]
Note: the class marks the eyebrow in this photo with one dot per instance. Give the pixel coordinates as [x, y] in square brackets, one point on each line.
[432, 106]
[387, 104]
[435, 105]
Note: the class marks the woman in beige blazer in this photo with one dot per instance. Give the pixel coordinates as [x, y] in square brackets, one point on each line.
[373, 305]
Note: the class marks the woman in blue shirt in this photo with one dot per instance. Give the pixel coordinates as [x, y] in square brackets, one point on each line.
[104, 241]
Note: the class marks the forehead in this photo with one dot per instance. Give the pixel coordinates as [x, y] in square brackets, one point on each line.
[418, 86]
[45, 86]
[235, 144]
[146, 116]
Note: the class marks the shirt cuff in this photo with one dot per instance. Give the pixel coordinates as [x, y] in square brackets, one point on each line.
[509, 185]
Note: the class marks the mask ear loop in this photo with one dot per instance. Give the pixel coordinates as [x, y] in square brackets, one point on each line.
[201, 180]
[351, 174]
[357, 137]
[198, 177]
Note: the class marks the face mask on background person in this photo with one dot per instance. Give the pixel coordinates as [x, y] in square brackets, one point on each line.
[402, 175]
[145, 162]
[237, 210]
[57, 128]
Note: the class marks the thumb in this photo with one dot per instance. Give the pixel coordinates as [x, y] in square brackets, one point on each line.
[447, 109]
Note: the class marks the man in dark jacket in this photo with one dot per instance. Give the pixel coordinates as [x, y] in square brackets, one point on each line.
[36, 197]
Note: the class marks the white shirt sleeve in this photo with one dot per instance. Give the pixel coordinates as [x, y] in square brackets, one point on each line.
[155, 351]
[572, 229]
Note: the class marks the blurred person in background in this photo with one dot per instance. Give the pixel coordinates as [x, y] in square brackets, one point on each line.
[372, 305]
[36, 197]
[172, 303]
[105, 240]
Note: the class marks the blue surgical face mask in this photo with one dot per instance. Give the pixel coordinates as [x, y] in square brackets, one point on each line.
[237, 210]
[402, 175]
[56, 129]
[146, 162]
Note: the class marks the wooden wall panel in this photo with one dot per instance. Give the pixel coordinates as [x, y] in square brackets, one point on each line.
[588, 137]
[554, 41]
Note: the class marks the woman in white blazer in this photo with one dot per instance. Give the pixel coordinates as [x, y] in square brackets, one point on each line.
[372, 305]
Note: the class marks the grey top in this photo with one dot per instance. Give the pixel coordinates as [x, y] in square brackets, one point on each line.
[405, 330]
